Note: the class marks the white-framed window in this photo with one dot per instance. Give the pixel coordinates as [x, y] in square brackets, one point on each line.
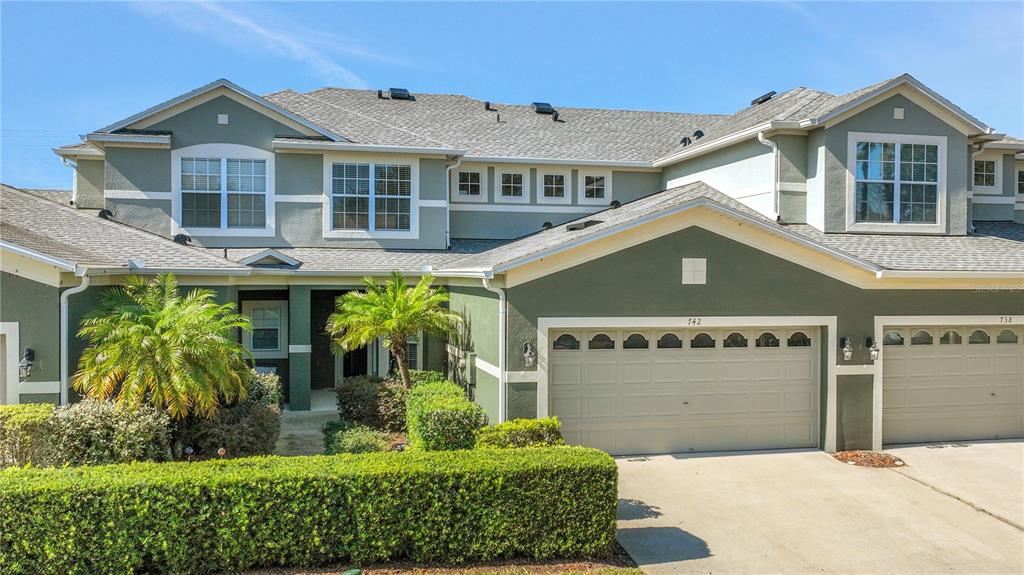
[984, 173]
[595, 187]
[554, 186]
[512, 186]
[371, 197]
[470, 184]
[269, 336]
[896, 180]
[1020, 181]
[222, 190]
[695, 271]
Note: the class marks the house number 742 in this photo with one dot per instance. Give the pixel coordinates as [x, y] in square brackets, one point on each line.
[693, 321]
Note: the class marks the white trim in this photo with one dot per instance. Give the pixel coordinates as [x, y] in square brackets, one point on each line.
[997, 175]
[455, 196]
[300, 198]
[12, 345]
[567, 188]
[38, 387]
[327, 212]
[581, 186]
[89, 153]
[283, 349]
[855, 369]
[989, 200]
[145, 139]
[500, 171]
[521, 376]
[137, 195]
[546, 324]
[715, 144]
[560, 162]
[488, 368]
[38, 256]
[269, 253]
[224, 152]
[284, 144]
[433, 204]
[851, 187]
[300, 349]
[793, 187]
[545, 208]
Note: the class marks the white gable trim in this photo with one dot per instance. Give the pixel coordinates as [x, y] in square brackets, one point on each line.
[269, 253]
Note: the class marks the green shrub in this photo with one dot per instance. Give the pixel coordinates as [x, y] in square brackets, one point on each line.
[394, 396]
[249, 427]
[439, 417]
[25, 434]
[521, 433]
[359, 399]
[228, 516]
[354, 438]
[93, 432]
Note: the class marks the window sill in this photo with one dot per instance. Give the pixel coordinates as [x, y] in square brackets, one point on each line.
[891, 228]
[467, 199]
[524, 199]
[374, 235]
[228, 232]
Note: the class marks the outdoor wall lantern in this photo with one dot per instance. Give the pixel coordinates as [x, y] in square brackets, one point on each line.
[529, 354]
[872, 348]
[847, 347]
[25, 365]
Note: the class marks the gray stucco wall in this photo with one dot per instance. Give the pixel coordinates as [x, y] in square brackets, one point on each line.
[138, 169]
[89, 184]
[991, 212]
[504, 225]
[150, 215]
[792, 170]
[198, 125]
[879, 119]
[479, 309]
[298, 174]
[36, 308]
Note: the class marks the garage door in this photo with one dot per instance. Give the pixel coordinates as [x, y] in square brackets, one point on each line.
[952, 383]
[671, 390]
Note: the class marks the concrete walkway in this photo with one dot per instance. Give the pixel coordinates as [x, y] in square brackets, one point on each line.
[301, 431]
[801, 512]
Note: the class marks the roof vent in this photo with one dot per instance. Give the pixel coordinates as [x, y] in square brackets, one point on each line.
[698, 134]
[399, 94]
[547, 225]
[581, 225]
[105, 214]
[762, 98]
[542, 108]
[380, 94]
[616, 204]
[554, 116]
[487, 107]
[686, 141]
[183, 239]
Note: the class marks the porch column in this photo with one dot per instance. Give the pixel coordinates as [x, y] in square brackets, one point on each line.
[299, 349]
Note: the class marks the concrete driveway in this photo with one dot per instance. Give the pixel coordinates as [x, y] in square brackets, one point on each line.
[804, 512]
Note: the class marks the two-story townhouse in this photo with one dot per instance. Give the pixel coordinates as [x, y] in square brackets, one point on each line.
[811, 271]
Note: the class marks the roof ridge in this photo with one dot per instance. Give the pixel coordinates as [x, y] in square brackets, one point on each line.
[370, 118]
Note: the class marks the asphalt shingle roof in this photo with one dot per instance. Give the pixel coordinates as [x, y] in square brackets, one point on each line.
[81, 238]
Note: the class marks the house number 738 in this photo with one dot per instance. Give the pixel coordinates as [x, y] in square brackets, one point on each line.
[1006, 319]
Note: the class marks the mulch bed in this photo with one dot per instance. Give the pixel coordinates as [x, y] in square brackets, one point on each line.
[868, 459]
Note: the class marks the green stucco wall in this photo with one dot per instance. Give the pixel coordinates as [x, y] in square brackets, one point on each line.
[36, 308]
[298, 174]
[854, 395]
[479, 309]
[198, 125]
[138, 169]
[150, 215]
[89, 177]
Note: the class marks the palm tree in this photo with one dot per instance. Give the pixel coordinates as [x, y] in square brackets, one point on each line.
[394, 313]
[147, 342]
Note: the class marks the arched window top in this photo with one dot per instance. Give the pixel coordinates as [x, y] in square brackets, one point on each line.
[702, 341]
[921, 337]
[566, 342]
[601, 341]
[892, 338]
[798, 339]
[979, 336]
[635, 341]
[767, 339]
[734, 339]
[670, 341]
[1007, 336]
[951, 337]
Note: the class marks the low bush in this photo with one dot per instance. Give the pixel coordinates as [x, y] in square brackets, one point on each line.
[394, 396]
[439, 417]
[249, 427]
[228, 516]
[521, 433]
[94, 432]
[348, 437]
[25, 434]
[359, 399]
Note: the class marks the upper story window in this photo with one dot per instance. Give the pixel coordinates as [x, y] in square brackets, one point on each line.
[985, 173]
[896, 180]
[554, 186]
[1020, 181]
[223, 192]
[371, 197]
[512, 185]
[593, 187]
[469, 184]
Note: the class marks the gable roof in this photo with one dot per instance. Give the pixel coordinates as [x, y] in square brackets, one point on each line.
[70, 238]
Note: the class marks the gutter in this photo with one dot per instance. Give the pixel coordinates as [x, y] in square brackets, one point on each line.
[351, 147]
[64, 344]
[558, 161]
[38, 256]
[948, 274]
[502, 321]
[775, 172]
[152, 139]
[448, 198]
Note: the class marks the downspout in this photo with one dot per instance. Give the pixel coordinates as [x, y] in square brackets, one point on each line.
[502, 320]
[64, 342]
[447, 200]
[74, 178]
[775, 172]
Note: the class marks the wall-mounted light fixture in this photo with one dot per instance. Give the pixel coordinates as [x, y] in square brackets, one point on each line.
[529, 354]
[847, 347]
[25, 365]
[872, 348]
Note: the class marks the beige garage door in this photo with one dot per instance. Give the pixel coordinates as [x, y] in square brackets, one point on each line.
[952, 383]
[670, 390]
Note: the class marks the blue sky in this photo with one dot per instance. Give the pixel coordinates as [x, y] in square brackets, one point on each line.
[70, 68]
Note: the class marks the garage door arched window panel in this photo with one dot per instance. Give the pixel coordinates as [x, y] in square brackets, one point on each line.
[635, 341]
[921, 337]
[894, 337]
[798, 339]
[1007, 336]
[979, 336]
[702, 341]
[951, 337]
[566, 342]
[766, 339]
[670, 341]
[734, 339]
[601, 341]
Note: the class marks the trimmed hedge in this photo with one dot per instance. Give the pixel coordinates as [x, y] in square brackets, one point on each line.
[440, 417]
[237, 514]
[97, 432]
[347, 437]
[26, 435]
[521, 433]
[359, 399]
